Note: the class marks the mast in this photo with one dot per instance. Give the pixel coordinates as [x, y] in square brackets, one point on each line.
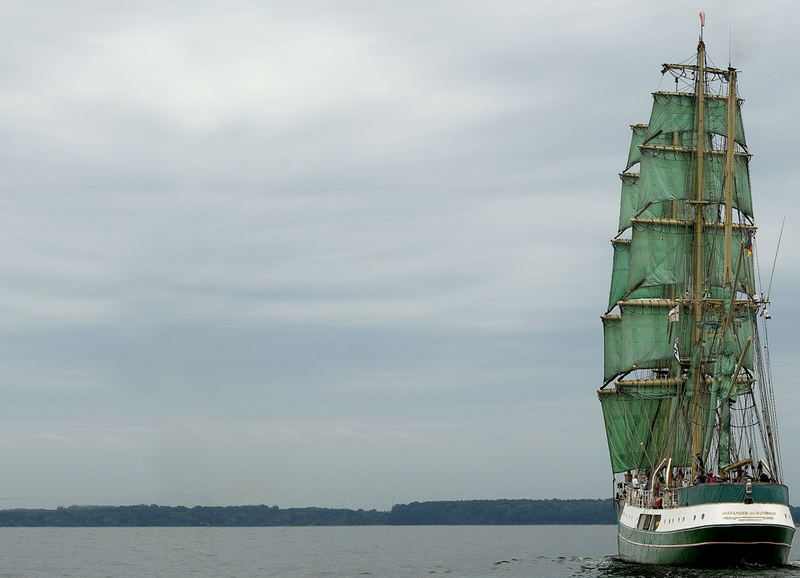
[698, 251]
[729, 173]
[724, 453]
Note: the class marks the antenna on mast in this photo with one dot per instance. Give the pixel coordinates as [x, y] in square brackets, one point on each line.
[702, 24]
[730, 43]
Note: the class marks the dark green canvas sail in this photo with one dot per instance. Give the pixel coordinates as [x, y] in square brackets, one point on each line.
[660, 255]
[629, 199]
[641, 337]
[631, 205]
[612, 350]
[676, 112]
[711, 332]
[638, 132]
[619, 277]
[640, 422]
[669, 175]
[713, 257]
[628, 422]
[638, 135]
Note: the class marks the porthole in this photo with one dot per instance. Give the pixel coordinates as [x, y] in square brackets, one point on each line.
[702, 516]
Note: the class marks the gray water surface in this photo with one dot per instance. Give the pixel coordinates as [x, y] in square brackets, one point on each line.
[330, 551]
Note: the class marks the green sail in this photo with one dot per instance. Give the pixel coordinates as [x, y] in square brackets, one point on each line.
[675, 112]
[640, 337]
[637, 138]
[668, 175]
[619, 277]
[712, 344]
[628, 425]
[629, 199]
[659, 255]
[612, 350]
[714, 259]
[641, 427]
[645, 336]
[744, 327]
[630, 205]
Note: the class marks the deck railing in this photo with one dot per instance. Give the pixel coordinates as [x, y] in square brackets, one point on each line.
[650, 499]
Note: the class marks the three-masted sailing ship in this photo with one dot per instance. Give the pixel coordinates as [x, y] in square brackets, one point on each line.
[687, 396]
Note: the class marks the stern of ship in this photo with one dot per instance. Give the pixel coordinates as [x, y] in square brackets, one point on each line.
[712, 525]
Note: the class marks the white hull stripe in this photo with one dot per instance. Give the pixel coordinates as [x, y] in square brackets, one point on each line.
[688, 545]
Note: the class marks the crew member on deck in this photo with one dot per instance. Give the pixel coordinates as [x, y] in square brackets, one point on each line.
[698, 460]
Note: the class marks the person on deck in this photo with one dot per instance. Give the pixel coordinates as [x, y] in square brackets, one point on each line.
[699, 462]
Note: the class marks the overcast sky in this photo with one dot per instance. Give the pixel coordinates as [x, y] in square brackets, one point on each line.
[339, 253]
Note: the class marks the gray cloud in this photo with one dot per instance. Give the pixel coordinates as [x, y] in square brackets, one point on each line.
[298, 254]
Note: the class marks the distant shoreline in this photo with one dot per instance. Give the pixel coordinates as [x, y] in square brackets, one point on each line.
[461, 512]
[442, 513]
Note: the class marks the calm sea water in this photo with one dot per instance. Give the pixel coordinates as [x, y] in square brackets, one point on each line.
[339, 551]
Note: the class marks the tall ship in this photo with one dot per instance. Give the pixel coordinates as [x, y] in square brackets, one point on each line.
[687, 396]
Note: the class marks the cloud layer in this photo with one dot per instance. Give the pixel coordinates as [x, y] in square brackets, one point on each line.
[346, 253]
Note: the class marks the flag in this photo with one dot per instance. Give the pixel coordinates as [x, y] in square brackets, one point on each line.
[765, 314]
[673, 314]
[749, 245]
[702, 19]
[677, 352]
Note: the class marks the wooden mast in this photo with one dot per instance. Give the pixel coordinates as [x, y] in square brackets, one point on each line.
[729, 153]
[723, 454]
[698, 250]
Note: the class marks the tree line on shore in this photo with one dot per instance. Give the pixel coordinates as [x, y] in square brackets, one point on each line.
[462, 512]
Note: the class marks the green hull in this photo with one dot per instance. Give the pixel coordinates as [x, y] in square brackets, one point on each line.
[711, 546]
